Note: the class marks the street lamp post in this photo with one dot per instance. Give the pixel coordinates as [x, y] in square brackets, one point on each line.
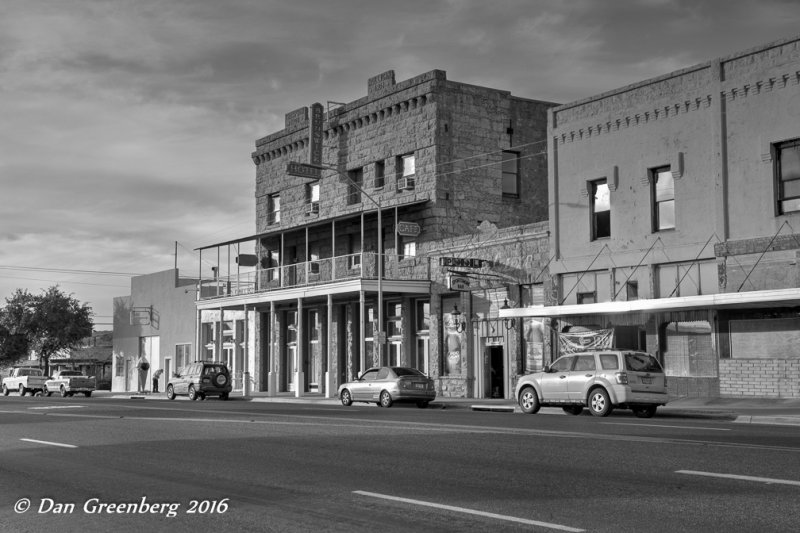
[379, 333]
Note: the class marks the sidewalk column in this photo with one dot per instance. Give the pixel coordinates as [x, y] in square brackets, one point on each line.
[329, 349]
[299, 358]
[272, 376]
[246, 358]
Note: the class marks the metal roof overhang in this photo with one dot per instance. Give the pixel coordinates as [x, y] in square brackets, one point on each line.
[316, 223]
[736, 300]
[315, 291]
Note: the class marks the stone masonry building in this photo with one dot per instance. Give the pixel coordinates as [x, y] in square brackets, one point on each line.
[353, 259]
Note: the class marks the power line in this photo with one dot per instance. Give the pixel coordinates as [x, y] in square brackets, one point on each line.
[65, 282]
[68, 271]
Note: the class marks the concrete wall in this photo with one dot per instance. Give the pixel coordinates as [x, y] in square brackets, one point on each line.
[714, 124]
[172, 320]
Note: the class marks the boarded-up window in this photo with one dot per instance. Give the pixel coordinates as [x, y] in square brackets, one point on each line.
[688, 350]
[773, 338]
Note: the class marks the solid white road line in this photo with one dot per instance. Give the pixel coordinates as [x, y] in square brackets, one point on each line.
[59, 407]
[469, 511]
[767, 480]
[50, 443]
[663, 426]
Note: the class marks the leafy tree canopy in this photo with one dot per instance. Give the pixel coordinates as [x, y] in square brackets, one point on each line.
[47, 323]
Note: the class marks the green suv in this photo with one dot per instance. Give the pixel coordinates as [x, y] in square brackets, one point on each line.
[200, 379]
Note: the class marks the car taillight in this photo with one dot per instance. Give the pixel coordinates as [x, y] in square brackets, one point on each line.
[665, 380]
[622, 378]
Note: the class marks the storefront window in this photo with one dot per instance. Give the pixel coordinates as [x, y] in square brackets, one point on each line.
[688, 350]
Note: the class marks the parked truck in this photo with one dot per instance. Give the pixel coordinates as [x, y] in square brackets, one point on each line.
[24, 379]
[68, 382]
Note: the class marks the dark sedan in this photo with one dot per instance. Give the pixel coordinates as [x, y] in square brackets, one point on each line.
[388, 384]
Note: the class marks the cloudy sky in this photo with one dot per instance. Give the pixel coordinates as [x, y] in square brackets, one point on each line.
[127, 125]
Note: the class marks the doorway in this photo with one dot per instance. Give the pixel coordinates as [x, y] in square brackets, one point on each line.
[496, 372]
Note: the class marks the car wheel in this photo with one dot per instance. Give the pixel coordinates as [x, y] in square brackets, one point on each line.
[347, 399]
[192, 393]
[573, 409]
[46, 391]
[386, 399]
[422, 404]
[63, 392]
[599, 402]
[88, 394]
[5, 390]
[223, 396]
[170, 392]
[529, 401]
[21, 389]
[645, 411]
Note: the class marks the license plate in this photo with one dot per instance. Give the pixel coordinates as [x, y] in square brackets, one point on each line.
[419, 385]
[647, 381]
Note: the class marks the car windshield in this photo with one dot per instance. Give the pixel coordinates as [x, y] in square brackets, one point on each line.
[641, 362]
[401, 371]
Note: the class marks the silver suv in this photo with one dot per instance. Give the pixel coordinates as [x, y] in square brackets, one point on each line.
[600, 380]
[200, 379]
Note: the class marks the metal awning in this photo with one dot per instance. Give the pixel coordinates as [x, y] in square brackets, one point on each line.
[735, 300]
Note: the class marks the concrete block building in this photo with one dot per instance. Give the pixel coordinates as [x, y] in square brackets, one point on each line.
[674, 214]
[155, 323]
[352, 259]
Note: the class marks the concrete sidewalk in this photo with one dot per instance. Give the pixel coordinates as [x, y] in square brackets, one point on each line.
[739, 410]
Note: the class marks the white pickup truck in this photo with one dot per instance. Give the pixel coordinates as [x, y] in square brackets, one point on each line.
[68, 382]
[24, 379]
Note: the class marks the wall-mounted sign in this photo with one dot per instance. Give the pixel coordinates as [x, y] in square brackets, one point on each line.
[464, 262]
[315, 135]
[458, 283]
[494, 341]
[408, 229]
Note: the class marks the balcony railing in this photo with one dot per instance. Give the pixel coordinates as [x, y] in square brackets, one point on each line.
[317, 272]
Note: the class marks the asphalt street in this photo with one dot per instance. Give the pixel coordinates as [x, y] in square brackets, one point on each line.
[126, 465]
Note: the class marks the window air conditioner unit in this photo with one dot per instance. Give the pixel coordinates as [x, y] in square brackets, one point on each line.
[312, 208]
[405, 184]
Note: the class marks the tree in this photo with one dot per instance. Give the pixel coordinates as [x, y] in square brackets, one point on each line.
[16, 320]
[50, 322]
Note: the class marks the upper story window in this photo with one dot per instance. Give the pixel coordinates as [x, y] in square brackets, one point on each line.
[312, 197]
[354, 188]
[662, 197]
[406, 170]
[313, 252]
[274, 209]
[787, 175]
[600, 209]
[354, 251]
[511, 174]
[408, 246]
[380, 174]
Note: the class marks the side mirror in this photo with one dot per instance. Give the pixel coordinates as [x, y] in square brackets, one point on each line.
[547, 369]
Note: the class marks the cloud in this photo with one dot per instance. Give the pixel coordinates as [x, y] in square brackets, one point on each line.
[128, 126]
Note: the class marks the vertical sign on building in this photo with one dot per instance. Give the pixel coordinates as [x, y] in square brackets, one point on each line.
[315, 135]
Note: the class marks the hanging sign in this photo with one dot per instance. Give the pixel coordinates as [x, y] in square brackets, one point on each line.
[458, 283]
[408, 229]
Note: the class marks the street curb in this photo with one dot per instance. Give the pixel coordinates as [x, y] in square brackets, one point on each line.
[700, 414]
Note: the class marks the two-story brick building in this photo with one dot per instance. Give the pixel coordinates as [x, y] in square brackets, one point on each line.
[351, 266]
[675, 222]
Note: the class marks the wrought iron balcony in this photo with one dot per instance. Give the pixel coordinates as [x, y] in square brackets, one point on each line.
[316, 272]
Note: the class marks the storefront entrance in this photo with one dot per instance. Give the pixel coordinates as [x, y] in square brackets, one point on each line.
[496, 359]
